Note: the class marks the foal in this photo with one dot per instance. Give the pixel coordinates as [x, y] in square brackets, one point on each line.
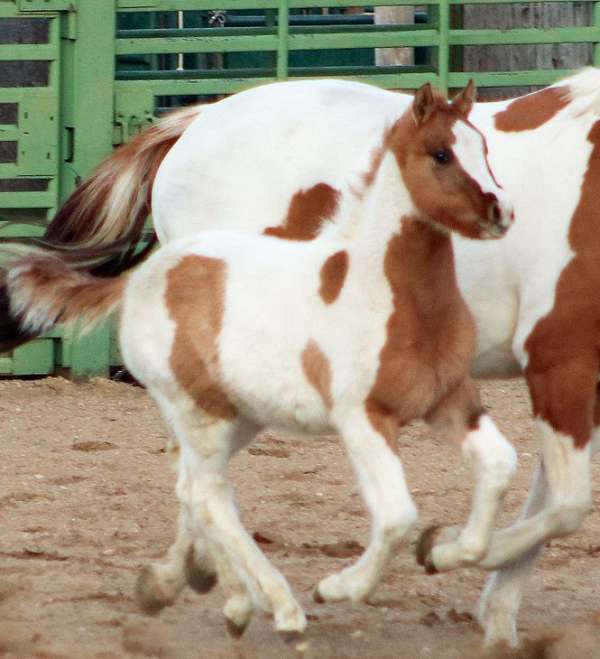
[359, 331]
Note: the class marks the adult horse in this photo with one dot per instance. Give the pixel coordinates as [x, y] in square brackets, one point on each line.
[275, 160]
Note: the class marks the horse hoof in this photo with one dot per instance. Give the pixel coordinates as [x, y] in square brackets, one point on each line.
[198, 578]
[290, 637]
[424, 547]
[317, 597]
[235, 631]
[148, 594]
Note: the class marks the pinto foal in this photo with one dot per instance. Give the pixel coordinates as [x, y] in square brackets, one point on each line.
[361, 330]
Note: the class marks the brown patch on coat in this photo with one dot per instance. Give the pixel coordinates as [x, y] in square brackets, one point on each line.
[306, 212]
[333, 276]
[194, 299]
[532, 111]
[564, 345]
[458, 412]
[430, 332]
[318, 371]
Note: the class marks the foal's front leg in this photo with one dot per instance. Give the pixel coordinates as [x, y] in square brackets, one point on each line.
[494, 462]
[383, 486]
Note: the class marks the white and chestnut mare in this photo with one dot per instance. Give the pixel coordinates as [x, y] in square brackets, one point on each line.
[276, 160]
[232, 332]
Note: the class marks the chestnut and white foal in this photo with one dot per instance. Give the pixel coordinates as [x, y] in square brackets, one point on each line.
[359, 331]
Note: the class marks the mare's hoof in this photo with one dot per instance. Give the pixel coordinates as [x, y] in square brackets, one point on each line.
[424, 548]
[150, 598]
[235, 631]
[198, 578]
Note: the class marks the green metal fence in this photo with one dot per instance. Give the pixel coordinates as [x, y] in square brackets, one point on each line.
[87, 74]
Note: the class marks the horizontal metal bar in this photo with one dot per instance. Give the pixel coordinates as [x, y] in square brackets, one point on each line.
[524, 36]
[9, 132]
[14, 229]
[21, 94]
[509, 78]
[212, 44]
[26, 200]
[36, 52]
[199, 86]
[199, 5]
[313, 40]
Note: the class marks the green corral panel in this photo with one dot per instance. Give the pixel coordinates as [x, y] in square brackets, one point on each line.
[99, 71]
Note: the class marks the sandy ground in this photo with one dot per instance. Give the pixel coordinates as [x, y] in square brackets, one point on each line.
[86, 498]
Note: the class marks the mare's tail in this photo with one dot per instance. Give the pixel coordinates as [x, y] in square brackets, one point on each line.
[103, 220]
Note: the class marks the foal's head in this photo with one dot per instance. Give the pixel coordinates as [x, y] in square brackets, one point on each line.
[443, 159]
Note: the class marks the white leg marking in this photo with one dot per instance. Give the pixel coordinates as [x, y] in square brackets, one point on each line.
[567, 470]
[383, 486]
[501, 597]
[494, 461]
[205, 450]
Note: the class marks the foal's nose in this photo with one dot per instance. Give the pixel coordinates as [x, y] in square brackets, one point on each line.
[501, 214]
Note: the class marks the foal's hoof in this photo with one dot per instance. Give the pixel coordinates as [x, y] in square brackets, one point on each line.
[291, 637]
[317, 597]
[149, 595]
[198, 578]
[424, 547]
[235, 631]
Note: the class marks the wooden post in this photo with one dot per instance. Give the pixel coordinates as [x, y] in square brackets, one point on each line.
[526, 57]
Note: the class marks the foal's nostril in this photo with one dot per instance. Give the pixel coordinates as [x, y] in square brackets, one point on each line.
[495, 213]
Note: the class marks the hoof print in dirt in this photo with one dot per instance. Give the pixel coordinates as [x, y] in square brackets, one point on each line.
[199, 579]
[424, 547]
[148, 595]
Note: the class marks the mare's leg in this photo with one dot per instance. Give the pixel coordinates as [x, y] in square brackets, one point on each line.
[564, 407]
[493, 459]
[383, 486]
[206, 446]
[559, 498]
[502, 593]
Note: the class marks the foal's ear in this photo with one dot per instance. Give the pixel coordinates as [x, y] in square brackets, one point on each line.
[423, 104]
[463, 101]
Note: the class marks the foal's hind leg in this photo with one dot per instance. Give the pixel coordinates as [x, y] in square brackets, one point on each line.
[159, 584]
[206, 446]
[381, 479]
[493, 460]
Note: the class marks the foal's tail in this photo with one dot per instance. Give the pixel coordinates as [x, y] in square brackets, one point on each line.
[102, 221]
[45, 287]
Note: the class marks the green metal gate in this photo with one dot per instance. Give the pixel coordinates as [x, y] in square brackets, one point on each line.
[81, 80]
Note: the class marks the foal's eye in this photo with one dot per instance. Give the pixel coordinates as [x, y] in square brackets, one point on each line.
[443, 156]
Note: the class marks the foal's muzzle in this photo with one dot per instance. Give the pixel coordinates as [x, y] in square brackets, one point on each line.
[500, 215]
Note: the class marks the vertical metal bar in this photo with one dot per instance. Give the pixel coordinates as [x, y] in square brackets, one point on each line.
[596, 19]
[443, 43]
[283, 18]
[92, 114]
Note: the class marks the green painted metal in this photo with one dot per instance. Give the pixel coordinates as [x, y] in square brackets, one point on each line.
[104, 85]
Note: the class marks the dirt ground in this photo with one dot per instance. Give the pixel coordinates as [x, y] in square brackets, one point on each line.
[86, 499]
